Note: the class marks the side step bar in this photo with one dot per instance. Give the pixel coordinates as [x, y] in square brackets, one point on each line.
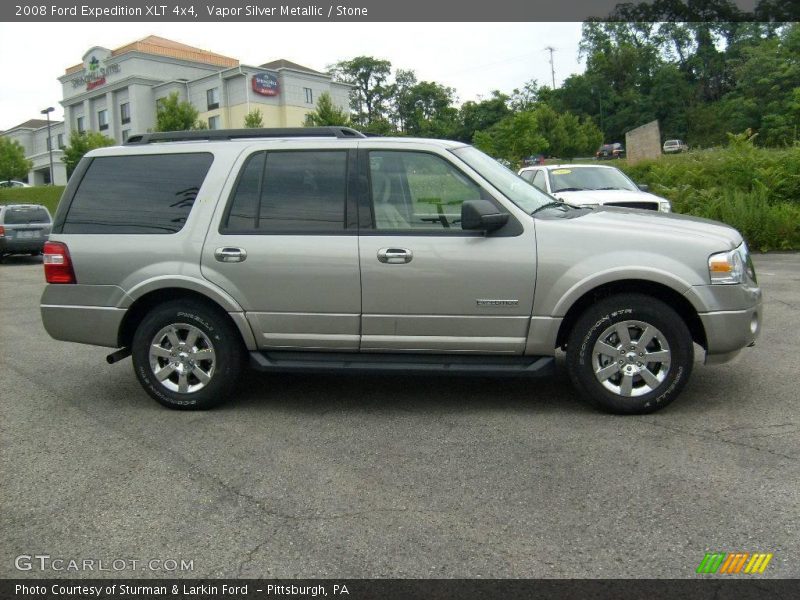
[324, 362]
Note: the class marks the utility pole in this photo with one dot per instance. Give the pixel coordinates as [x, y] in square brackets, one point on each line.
[550, 49]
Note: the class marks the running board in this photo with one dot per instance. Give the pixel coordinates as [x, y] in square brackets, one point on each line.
[326, 362]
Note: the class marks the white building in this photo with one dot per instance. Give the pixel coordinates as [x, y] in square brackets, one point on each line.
[116, 92]
[32, 135]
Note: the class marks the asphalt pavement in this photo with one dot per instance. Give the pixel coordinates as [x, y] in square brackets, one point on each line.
[392, 476]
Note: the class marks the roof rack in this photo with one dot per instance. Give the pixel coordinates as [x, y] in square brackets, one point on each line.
[236, 134]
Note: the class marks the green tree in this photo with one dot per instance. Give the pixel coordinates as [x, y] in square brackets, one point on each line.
[79, 144]
[13, 164]
[326, 113]
[174, 114]
[253, 119]
[479, 116]
[372, 91]
[429, 110]
[513, 138]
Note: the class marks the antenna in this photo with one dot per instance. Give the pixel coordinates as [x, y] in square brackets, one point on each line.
[550, 49]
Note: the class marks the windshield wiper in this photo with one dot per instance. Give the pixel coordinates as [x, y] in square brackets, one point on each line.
[551, 205]
[570, 189]
[611, 188]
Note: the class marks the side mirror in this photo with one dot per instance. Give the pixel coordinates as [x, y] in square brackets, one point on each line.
[643, 186]
[482, 215]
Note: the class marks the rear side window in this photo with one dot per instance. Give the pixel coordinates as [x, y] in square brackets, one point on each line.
[23, 216]
[137, 194]
[289, 192]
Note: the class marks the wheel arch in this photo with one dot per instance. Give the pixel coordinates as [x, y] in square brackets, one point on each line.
[137, 311]
[656, 290]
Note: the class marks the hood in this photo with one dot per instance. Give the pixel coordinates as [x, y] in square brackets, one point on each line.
[652, 224]
[593, 197]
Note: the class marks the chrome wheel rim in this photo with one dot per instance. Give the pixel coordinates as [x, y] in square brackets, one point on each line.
[182, 358]
[631, 358]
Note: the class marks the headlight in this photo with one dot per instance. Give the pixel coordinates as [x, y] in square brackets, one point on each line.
[665, 206]
[730, 267]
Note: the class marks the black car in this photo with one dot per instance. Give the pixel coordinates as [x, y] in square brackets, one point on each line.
[609, 151]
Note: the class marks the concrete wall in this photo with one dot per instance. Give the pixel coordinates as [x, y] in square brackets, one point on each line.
[643, 143]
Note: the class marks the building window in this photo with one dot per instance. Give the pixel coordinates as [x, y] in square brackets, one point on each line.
[79, 122]
[60, 140]
[125, 134]
[213, 122]
[102, 119]
[309, 95]
[125, 113]
[49, 143]
[212, 98]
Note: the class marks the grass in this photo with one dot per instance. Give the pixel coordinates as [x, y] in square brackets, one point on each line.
[45, 195]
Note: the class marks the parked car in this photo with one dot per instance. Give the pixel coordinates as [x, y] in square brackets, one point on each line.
[609, 151]
[591, 185]
[675, 146]
[324, 250]
[13, 183]
[23, 229]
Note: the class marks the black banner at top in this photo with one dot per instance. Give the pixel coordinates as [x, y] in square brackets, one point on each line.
[188, 11]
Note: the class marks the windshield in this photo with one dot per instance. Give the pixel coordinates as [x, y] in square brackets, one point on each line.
[589, 178]
[513, 187]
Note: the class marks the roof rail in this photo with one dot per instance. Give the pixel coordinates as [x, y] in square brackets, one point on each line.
[236, 134]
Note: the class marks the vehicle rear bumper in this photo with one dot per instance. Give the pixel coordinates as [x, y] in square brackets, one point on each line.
[11, 245]
[96, 325]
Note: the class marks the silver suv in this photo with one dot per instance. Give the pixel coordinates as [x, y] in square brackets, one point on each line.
[321, 250]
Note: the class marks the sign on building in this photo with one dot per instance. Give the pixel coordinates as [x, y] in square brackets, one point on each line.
[265, 84]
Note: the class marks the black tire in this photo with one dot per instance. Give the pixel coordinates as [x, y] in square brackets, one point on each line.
[217, 334]
[636, 311]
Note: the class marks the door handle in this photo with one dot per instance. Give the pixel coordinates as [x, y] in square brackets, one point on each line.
[395, 256]
[229, 255]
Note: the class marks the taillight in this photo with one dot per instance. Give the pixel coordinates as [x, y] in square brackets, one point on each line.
[2, 231]
[57, 264]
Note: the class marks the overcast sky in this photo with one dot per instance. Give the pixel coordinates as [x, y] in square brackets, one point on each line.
[473, 58]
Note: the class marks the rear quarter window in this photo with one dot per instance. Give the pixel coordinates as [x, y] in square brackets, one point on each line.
[151, 193]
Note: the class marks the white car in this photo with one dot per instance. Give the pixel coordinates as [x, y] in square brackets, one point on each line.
[675, 146]
[592, 185]
[13, 183]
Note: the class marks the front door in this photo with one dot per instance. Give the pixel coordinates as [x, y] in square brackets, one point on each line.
[428, 285]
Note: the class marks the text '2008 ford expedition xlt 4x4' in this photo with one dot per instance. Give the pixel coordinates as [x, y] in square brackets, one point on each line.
[321, 249]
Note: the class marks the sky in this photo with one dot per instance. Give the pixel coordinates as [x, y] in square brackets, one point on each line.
[473, 58]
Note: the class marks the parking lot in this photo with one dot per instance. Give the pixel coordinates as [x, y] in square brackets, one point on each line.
[393, 476]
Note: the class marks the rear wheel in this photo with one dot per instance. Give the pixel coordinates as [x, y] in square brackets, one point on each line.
[187, 355]
[630, 354]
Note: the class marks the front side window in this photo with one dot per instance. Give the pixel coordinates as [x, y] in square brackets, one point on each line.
[212, 98]
[137, 194]
[289, 192]
[416, 190]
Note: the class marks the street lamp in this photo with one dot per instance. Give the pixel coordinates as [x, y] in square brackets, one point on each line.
[47, 112]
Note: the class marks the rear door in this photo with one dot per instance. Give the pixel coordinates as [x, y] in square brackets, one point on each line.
[286, 247]
[428, 285]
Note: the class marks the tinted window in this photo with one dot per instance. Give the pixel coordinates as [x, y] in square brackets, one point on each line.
[283, 192]
[137, 194]
[416, 190]
[21, 216]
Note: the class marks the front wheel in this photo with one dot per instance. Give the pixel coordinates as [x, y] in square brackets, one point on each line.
[186, 355]
[630, 354]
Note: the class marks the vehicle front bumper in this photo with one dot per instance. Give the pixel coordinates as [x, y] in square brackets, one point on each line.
[733, 321]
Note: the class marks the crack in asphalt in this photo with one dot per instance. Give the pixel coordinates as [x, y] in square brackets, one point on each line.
[711, 435]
